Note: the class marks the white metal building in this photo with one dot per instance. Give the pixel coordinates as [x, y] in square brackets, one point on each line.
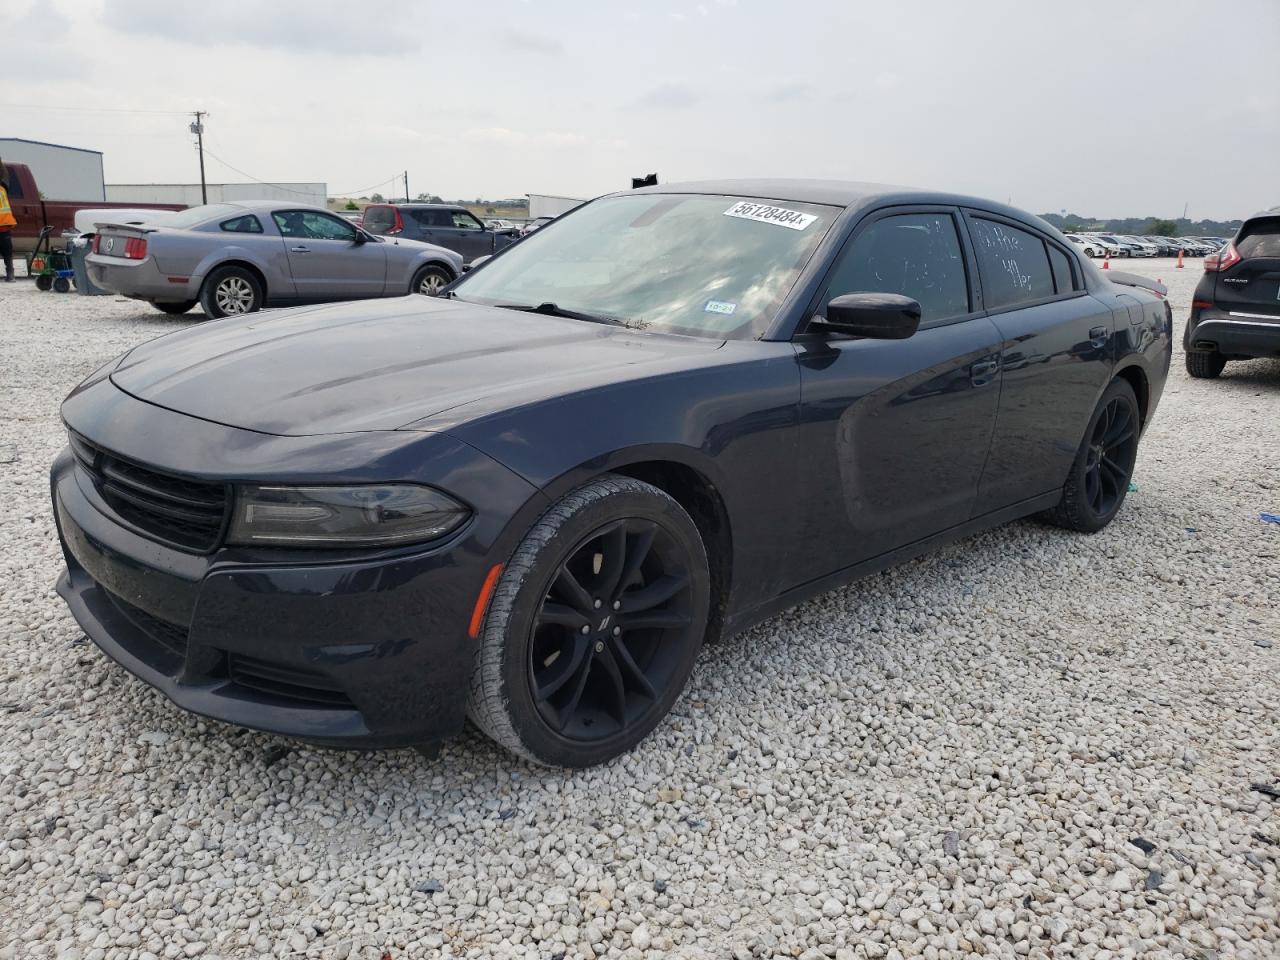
[62, 172]
[550, 205]
[314, 194]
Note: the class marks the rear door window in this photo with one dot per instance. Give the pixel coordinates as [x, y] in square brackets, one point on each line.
[1014, 264]
[432, 218]
[916, 255]
[1063, 277]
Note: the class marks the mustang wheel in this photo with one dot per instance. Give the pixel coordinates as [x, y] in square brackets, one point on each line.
[430, 280]
[594, 627]
[1099, 477]
[229, 292]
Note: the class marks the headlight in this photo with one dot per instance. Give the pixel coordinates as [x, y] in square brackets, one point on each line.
[375, 515]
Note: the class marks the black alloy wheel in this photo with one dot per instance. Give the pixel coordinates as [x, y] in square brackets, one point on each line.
[594, 626]
[611, 630]
[1095, 488]
[1112, 450]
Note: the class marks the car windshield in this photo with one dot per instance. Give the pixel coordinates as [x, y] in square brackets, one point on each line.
[194, 216]
[710, 266]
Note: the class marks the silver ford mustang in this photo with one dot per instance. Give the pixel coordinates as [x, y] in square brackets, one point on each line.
[234, 258]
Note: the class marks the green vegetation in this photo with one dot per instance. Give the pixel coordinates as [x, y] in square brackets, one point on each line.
[351, 205]
[1161, 228]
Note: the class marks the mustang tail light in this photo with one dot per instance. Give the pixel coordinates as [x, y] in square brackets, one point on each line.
[1223, 260]
[135, 248]
[97, 242]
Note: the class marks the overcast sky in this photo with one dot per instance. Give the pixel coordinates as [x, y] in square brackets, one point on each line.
[1112, 108]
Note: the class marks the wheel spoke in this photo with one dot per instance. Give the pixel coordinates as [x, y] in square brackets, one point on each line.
[1093, 488]
[618, 689]
[561, 615]
[613, 547]
[641, 544]
[647, 619]
[575, 697]
[628, 665]
[574, 663]
[658, 592]
[1119, 430]
[1113, 471]
[571, 590]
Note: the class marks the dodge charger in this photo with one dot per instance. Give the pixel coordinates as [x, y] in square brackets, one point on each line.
[661, 419]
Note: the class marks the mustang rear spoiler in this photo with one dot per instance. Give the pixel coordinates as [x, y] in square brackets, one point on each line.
[126, 227]
[1133, 280]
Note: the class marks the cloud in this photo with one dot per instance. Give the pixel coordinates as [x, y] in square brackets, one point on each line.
[887, 80]
[669, 96]
[302, 25]
[788, 92]
[526, 41]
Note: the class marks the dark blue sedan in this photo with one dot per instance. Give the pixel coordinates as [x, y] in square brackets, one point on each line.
[662, 418]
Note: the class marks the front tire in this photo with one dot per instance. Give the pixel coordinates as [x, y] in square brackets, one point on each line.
[175, 309]
[430, 280]
[44, 282]
[230, 292]
[594, 626]
[1205, 364]
[1099, 478]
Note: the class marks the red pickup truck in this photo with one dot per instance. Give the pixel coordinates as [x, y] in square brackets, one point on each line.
[32, 212]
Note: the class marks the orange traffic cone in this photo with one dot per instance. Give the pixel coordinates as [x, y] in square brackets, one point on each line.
[1106, 263]
[1180, 267]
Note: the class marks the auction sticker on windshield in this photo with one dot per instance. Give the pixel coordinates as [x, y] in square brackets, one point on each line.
[763, 213]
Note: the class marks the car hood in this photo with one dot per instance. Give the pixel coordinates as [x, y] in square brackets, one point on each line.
[385, 364]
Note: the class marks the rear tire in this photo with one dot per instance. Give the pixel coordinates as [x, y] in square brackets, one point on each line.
[61, 285]
[1099, 477]
[1205, 364]
[594, 626]
[430, 280]
[229, 292]
[175, 309]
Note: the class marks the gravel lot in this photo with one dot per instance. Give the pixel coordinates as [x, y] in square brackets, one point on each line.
[1031, 744]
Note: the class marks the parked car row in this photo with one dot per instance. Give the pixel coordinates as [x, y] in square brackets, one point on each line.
[1118, 245]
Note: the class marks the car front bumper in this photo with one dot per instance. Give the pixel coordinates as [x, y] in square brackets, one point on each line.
[1234, 334]
[140, 279]
[340, 649]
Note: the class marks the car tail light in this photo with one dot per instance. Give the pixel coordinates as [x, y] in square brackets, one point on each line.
[399, 226]
[97, 241]
[1202, 304]
[1223, 260]
[135, 248]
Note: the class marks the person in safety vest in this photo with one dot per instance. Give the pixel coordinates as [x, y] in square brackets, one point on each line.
[7, 223]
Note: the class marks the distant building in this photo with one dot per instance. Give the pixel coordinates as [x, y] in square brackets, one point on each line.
[550, 205]
[310, 194]
[62, 172]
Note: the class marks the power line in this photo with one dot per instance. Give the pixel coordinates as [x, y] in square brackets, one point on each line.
[301, 193]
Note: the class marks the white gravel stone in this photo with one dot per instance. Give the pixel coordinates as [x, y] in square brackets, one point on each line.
[949, 759]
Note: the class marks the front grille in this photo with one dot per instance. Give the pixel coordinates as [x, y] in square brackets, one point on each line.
[171, 636]
[295, 685]
[186, 513]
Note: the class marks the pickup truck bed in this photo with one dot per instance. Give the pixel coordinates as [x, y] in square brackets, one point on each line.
[32, 212]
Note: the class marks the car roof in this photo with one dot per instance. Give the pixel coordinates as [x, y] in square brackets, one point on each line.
[839, 193]
[421, 206]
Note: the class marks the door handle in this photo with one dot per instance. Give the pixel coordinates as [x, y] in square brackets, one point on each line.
[299, 249]
[983, 372]
[1098, 336]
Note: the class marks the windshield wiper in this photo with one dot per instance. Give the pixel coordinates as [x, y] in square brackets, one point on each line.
[555, 310]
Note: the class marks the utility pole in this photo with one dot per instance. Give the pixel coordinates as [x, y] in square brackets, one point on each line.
[407, 198]
[198, 129]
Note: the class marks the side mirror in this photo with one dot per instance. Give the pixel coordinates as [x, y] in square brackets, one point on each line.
[877, 316]
[361, 237]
